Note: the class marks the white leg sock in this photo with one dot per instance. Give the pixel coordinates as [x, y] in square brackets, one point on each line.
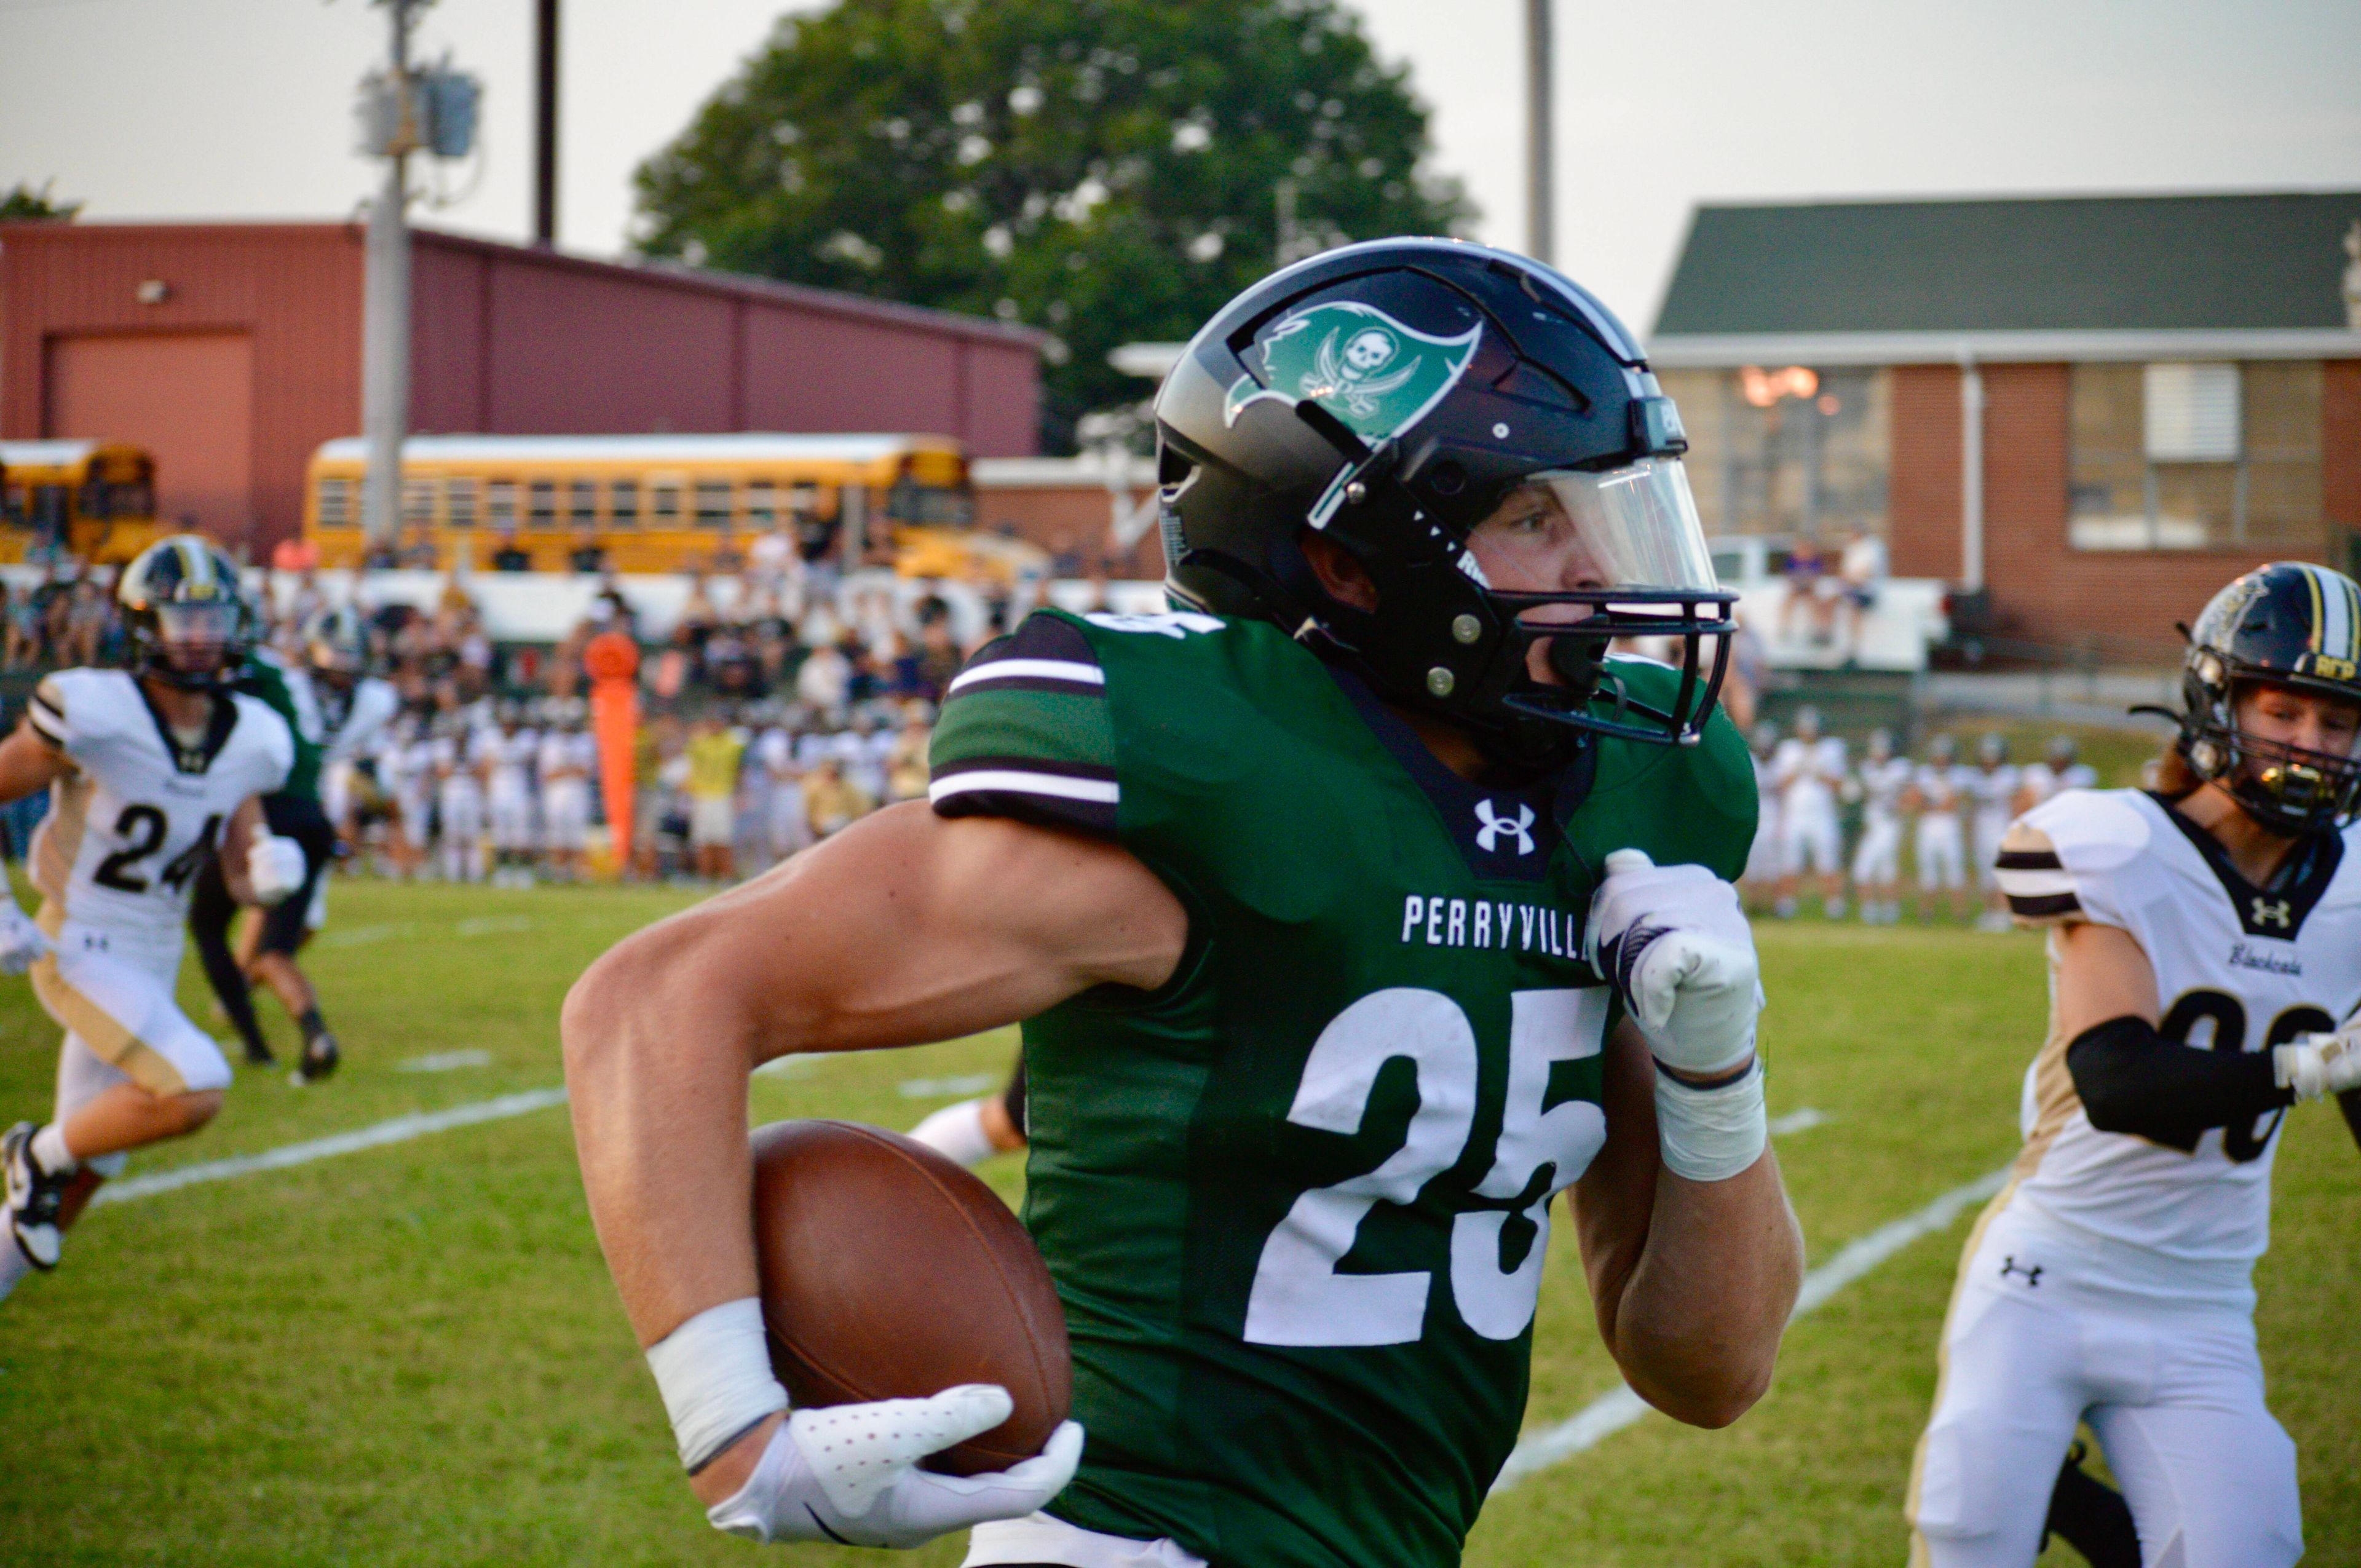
[49, 1149]
[957, 1132]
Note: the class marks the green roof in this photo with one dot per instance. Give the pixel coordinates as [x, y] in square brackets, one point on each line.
[2093, 264]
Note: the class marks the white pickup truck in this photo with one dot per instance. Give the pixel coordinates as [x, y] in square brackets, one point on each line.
[1822, 625]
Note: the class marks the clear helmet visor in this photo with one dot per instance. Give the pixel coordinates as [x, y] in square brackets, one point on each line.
[1634, 526]
[199, 637]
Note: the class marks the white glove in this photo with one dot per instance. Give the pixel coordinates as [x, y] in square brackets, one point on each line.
[2318, 1065]
[274, 867]
[1674, 942]
[21, 942]
[848, 1472]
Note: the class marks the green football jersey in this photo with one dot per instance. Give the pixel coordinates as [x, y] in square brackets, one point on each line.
[263, 677]
[1296, 1200]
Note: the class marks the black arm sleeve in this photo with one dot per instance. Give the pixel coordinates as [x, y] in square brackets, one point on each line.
[2132, 1080]
[2350, 1103]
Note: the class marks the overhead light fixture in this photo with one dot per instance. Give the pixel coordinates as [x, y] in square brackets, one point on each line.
[153, 292]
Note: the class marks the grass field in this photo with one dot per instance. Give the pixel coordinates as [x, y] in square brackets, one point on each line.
[411, 1354]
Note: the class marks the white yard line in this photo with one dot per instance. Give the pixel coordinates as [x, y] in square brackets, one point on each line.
[444, 1061]
[1610, 1413]
[399, 1130]
[947, 1088]
[1802, 1120]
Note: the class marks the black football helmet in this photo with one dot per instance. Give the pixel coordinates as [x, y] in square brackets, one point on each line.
[336, 643]
[1392, 395]
[2287, 624]
[185, 613]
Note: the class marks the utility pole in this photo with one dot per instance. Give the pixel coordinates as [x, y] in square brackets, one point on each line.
[544, 124]
[385, 311]
[1540, 228]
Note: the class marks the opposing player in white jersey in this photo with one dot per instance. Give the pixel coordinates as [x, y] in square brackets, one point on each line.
[2205, 948]
[567, 761]
[1992, 785]
[787, 819]
[1938, 793]
[511, 749]
[1877, 860]
[1808, 770]
[151, 773]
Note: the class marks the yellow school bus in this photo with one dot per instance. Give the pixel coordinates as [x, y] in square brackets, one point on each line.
[656, 503]
[95, 500]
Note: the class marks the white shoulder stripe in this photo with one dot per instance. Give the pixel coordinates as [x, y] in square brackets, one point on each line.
[1028, 670]
[1106, 791]
[2033, 885]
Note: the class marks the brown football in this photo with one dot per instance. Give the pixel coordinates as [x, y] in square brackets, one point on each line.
[888, 1273]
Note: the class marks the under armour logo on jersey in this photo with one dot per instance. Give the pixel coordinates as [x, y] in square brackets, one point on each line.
[2273, 912]
[2008, 1266]
[1488, 838]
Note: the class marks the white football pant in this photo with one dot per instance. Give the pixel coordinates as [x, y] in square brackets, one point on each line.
[1943, 857]
[1809, 836]
[1877, 861]
[1992, 826]
[1763, 856]
[462, 805]
[2171, 1385]
[565, 813]
[510, 813]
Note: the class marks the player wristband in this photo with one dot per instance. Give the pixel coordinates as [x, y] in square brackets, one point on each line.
[714, 1372]
[1711, 1135]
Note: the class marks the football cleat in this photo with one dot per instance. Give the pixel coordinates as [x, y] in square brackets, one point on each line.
[34, 1196]
[261, 1055]
[318, 1061]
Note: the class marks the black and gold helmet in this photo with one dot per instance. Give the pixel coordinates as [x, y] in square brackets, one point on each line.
[2289, 624]
[185, 612]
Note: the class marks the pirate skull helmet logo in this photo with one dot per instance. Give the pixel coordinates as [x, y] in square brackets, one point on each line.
[1377, 375]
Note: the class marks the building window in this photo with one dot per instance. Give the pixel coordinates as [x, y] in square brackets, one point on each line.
[335, 503]
[459, 502]
[623, 503]
[2195, 456]
[501, 503]
[713, 503]
[1792, 450]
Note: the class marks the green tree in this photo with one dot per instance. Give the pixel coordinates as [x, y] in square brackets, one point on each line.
[1110, 170]
[21, 202]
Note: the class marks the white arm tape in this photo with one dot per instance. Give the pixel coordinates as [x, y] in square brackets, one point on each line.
[714, 1372]
[1711, 1135]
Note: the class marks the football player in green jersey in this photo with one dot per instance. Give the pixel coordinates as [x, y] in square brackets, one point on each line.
[1352, 912]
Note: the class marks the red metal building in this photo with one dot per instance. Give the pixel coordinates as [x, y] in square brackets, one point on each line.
[233, 350]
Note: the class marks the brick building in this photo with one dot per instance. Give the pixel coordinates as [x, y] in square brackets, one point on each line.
[1094, 514]
[233, 350]
[2097, 411]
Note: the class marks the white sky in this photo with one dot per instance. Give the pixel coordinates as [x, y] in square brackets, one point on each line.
[242, 108]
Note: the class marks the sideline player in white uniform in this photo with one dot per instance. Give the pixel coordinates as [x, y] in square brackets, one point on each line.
[510, 751]
[1993, 787]
[151, 772]
[1939, 792]
[2057, 771]
[787, 819]
[2205, 944]
[1806, 770]
[458, 763]
[1761, 879]
[568, 758]
[1877, 862]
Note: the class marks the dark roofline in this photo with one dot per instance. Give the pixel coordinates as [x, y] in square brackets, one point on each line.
[2145, 261]
[824, 301]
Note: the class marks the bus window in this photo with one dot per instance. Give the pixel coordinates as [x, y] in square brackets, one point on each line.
[50, 509]
[418, 503]
[623, 503]
[459, 502]
[543, 497]
[501, 503]
[713, 503]
[582, 503]
[663, 497]
[12, 505]
[335, 503]
[131, 498]
[762, 505]
[94, 500]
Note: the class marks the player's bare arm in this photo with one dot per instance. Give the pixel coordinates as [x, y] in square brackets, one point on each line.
[905, 928]
[28, 763]
[1692, 1281]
